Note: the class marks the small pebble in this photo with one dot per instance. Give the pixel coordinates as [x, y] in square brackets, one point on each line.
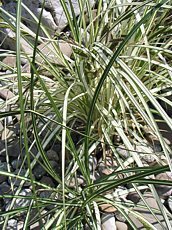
[10, 61]
[164, 190]
[21, 202]
[16, 181]
[121, 226]
[12, 224]
[55, 166]
[108, 222]
[134, 197]
[72, 183]
[119, 216]
[122, 151]
[52, 155]
[16, 163]
[47, 181]
[8, 134]
[108, 208]
[39, 172]
[5, 188]
[13, 148]
[3, 167]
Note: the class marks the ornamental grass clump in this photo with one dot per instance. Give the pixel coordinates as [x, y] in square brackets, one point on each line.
[95, 93]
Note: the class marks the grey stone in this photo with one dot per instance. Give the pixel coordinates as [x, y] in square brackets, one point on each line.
[121, 192]
[26, 68]
[119, 216]
[9, 61]
[122, 151]
[110, 162]
[3, 167]
[45, 194]
[48, 50]
[143, 148]
[16, 127]
[8, 134]
[72, 183]
[155, 143]
[9, 72]
[121, 226]
[147, 215]
[105, 171]
[13, 148]
[12, 224]
[108, 222]
[134, 197]
[6, 94]
[21, 202]
[47, 181]
[55, 166]
[39, 172]
[107, 166]
[33, 152]
[2, 158]
[16, 163]
[4, 188]
[164, 190]
[17, 181]
[2, 148]
[52, 155]
[53, 18]
[148, 157]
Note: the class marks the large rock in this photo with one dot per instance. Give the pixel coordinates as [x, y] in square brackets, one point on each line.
[50, 54]
[53, 17]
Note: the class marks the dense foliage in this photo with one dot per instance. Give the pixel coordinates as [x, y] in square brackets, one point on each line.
[104, 96]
